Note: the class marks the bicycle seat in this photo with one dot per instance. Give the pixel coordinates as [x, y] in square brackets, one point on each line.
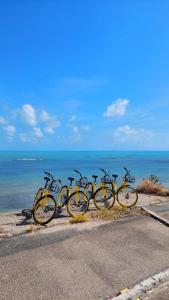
[47, 178]
[94, 176]
[115, 176]
[71, 178]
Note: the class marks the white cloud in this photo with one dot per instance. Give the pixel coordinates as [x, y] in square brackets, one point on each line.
[2, 120]
[86, 127]
[10, 130]
[127, 133]
[24, 137]
[117, 109]
[50, 120]
[29, 114]
[45, 117]
[75, 129]
[73, 118]
[49, 130]
[37, 132]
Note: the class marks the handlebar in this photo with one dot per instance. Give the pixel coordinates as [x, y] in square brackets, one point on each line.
[51, 177]
[126, 170]
[105, 173]
[78, 173]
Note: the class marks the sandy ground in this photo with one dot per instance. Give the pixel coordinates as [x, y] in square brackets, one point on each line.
[13, 223]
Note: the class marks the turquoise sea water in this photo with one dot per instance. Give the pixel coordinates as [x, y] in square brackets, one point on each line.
[21, 173]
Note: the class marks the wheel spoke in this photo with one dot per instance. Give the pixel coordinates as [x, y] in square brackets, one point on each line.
[127, 196]
[104, 198]
[77, 203]
[44, 210]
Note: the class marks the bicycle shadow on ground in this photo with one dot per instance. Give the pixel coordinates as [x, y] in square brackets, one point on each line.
[29, 221]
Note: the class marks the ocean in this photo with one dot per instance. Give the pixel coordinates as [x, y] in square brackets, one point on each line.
[21, 172]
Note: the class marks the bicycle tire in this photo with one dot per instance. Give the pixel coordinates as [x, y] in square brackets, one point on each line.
[38, 195]
[89, 190]
[64, 191]
[40, 217]
[126, 196]
[100, 201]
[80, 206]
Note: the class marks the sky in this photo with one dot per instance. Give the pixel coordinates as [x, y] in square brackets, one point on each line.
[84, 75]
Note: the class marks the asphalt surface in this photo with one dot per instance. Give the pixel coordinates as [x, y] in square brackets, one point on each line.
[88, 264]
[159, 293]
[161, 209]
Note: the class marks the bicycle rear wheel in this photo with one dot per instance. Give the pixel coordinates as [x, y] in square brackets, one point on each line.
[44, 210]
[78, 204]
[127, 196]
[104, 198]
[89, 191]
[63, 196]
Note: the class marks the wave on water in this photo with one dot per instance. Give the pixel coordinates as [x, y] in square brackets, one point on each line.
[29, 159]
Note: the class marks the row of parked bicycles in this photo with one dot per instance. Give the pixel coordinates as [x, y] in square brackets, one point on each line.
[50, 199]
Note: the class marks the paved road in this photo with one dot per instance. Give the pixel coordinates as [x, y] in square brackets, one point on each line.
[159, 293]
[161, 209]
[81, 265]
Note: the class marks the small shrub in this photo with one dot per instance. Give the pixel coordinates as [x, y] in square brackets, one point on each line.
[153, 178]
[152, 185]
[79, 219]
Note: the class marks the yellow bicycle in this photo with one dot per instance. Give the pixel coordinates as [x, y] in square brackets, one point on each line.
[44, 208]
[102, 192]
[125, 195]
[78, 202]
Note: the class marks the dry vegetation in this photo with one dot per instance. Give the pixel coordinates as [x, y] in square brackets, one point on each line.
[110, 214]
[2, 230]
[79, 219]
[151, 185]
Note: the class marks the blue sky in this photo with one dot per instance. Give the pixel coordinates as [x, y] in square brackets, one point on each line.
[84, 75]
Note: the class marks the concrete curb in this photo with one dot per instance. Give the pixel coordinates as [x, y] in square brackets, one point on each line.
[156, 216]
[143, 287]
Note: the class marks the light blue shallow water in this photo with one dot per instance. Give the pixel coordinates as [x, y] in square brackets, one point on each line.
[21, 173]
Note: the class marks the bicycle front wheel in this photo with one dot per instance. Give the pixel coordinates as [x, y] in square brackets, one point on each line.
[38, 195]
[127, 196]
[104, 198]
[44, 210]
[78, 204]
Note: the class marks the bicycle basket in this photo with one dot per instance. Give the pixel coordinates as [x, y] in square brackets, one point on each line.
[54, 187]
[106, 179]
[82, 183]
[129, 178]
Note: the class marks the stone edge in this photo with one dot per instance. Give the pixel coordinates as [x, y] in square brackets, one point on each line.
[143, 287]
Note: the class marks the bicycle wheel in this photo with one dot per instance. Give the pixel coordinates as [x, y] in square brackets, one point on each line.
[44, 210]
[127, 196]
[62, 196]
[89, 190]
[38, 195]
[104, 198]
[78, 204]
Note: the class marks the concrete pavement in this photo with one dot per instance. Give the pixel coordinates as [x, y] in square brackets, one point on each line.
[84, 263]
[159, 293]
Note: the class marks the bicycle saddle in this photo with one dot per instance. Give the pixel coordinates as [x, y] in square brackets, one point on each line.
[71, 178]
[94, 176]
[47, 178]
[115, 176]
